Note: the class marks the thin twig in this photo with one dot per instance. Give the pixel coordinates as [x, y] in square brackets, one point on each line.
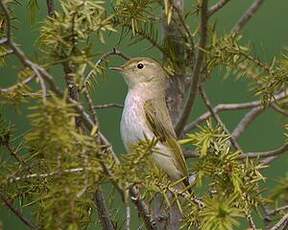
[196, 74]
[14, 87]
[218, 119]
[90, 105]
[45, 175]
[282, 223]
[17, 212]
[250, 12]
[218, 6]
[271, 153]
[107, 106]
[246, 121]
[103, 57]
[14, 152]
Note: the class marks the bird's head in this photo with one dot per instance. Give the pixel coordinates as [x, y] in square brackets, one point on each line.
[142, 70]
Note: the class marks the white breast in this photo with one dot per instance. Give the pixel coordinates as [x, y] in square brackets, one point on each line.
[133, 127]
[133, 124]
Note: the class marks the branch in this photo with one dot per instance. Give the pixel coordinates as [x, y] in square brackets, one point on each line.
[103, 57]
[271, 153]
[246, 121]
[218, 119]
[50, 7]
[103, 212]
[13, 87]
[17, 212]
[281, 223]
[107, 106]
[196, 71]
[220, 108]
[218, 6]
[143, 209]
[13, 152]
[230, 107]
[247, 16]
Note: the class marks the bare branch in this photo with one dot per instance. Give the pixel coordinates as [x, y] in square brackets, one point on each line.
[218, 6]
[107, 106]
[251, 11]
[220, 108]
[17, 212]
[246, 121]
[218, 119]
[271, 153]
[282, 223]
[230, 107]
[103, 212]
[193, 88]
[14, 87]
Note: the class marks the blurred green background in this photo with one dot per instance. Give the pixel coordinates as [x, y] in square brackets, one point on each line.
[267, 33]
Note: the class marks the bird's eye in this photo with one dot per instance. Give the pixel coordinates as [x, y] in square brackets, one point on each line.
[140, 66]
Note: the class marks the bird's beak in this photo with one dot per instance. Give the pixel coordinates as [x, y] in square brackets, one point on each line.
[119, 69]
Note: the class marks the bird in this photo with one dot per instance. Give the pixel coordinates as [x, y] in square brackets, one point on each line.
[145, 115]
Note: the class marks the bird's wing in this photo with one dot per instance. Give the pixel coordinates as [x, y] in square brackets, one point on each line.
[160, 124]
